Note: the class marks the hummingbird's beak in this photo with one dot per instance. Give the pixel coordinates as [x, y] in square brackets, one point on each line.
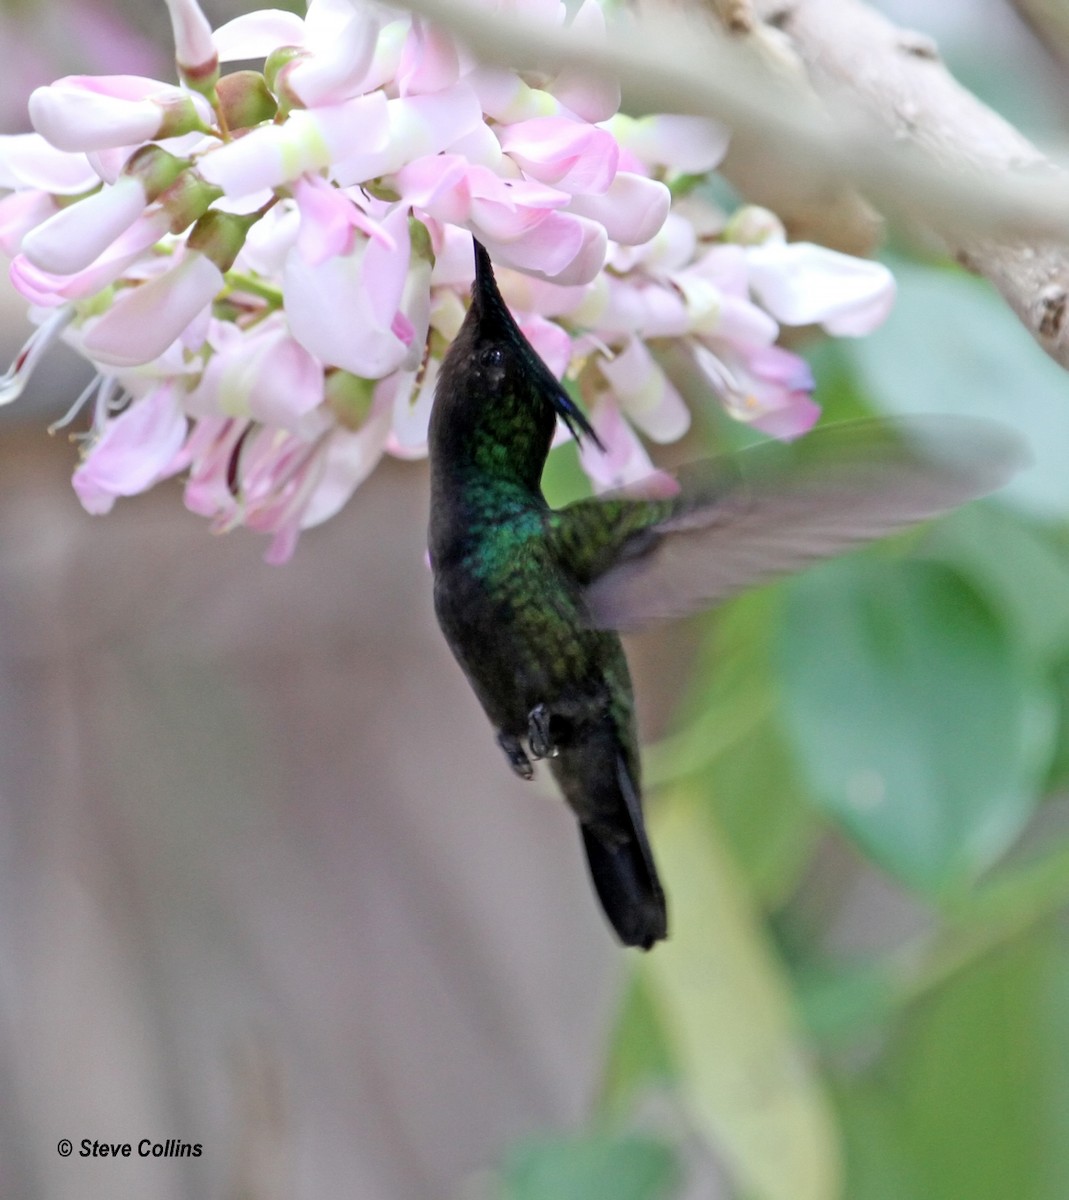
[487, 300]
[484, 271]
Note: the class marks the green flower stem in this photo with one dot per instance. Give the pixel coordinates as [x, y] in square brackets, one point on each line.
[238, 281]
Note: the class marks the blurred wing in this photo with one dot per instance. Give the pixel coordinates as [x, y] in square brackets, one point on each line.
[834, 489]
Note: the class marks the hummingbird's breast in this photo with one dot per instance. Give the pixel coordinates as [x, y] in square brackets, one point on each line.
[515, 621]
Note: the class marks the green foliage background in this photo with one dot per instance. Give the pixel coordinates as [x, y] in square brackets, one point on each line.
[888, 733]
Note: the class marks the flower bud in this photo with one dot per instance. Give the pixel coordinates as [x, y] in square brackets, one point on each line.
[187, 199]
[349, 397]
[154, 168]
[753, 225]
[219, 236]
[198, 63]
[81, 113]
[274, 64]
[244, 100]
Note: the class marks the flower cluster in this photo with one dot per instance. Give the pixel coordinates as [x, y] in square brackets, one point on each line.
[267, 267]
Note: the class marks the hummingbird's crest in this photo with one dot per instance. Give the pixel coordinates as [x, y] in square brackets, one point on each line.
[492, 313]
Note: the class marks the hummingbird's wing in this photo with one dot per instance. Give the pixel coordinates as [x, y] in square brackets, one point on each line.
[775, 509]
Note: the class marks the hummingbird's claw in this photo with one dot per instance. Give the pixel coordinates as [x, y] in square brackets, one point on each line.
[538, 733]
[518, 760]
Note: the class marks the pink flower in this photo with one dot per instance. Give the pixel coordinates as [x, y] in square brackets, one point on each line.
[132, 451]
[765, 386]
[195, 52]
[329, 220]
[73, 237]
[570, 155]
[83, 112]
[343, 309]
[803, 284]
[49, 289]
[271, 264]
[145, 320]
[645, 392]
[266, 375]
[625, 461]
[347, 458]
[632, 208]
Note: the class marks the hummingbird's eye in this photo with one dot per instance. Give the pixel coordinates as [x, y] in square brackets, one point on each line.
[492, 356]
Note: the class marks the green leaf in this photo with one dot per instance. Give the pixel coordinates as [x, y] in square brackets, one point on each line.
[1058, 776]
[727, 1016]
[952, 345]
[914, 714]
[1021, 570]
[563, 480]
[969, 1096]
[838, 386]
[593, 1168]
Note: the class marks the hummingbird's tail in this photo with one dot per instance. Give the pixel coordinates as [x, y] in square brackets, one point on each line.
[623, 872]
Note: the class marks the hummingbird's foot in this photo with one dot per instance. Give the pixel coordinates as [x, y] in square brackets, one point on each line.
[538, 733]
[518, 760]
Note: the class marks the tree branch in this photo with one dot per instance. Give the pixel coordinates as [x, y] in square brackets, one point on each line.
[1049, 21]
[895, 76]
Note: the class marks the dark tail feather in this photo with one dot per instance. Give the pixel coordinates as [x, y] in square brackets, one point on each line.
[629, 894]
[624, 875]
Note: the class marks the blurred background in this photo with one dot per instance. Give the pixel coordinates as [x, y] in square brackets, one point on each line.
[267, 886]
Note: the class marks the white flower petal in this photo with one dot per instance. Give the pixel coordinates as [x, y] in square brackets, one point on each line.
[75, 118]
[194, 49]
[804, 284]
[145, 320]
[645, 392]
[348, 459]
[78, 234]
[633, 209]
[257, 34]
[332, 314]
[335, 72]
[28, 161]
[687, 143]
[134, 451]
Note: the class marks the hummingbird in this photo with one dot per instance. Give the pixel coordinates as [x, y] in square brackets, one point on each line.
[531, 599]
